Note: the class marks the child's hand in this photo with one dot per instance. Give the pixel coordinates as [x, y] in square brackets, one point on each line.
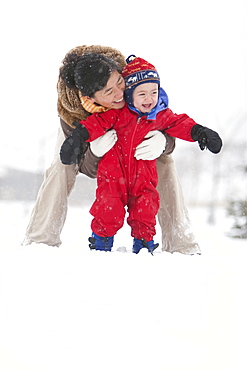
[151, 148]
[103, 144]
[206, 138]
[72, 148]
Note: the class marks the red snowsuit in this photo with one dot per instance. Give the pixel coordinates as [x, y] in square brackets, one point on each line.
[124, 181]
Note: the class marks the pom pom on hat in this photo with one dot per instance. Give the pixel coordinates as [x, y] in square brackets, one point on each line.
[137, 72]
[130, 58]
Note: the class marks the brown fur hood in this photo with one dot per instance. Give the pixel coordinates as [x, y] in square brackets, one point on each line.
[68, 105]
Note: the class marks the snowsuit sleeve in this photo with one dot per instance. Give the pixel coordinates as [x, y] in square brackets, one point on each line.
[98, 123]
[176, 125]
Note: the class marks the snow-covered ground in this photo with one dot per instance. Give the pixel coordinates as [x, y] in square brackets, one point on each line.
[72, 308]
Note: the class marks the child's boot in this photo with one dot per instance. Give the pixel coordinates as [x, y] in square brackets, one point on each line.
[141, 243]
[101, 243]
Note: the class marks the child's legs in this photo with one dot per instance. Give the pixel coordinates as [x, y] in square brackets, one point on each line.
[108, 208]
[142, 214]
[108, 215]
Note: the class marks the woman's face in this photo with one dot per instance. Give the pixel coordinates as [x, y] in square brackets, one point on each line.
[112, 95]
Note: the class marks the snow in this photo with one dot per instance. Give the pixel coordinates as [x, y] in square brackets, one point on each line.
[72, 308]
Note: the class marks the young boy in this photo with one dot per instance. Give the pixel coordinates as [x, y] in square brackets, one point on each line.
[121, 179]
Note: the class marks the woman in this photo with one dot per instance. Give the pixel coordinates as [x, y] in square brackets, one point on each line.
[50, 210]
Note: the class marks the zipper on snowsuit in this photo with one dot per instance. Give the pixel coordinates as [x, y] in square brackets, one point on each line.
[131, 144]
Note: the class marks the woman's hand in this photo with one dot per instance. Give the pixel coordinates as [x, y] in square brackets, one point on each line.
[152, 147]
[103, 144]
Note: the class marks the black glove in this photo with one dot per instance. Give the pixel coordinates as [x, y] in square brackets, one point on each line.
[72, 148]
[206, 138]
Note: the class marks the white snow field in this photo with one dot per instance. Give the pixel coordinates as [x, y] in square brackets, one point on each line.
[70, 308]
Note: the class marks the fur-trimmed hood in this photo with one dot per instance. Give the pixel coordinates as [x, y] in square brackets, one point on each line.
[69, 105]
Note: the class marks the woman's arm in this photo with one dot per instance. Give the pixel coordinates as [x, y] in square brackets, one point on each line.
[170, 144]
[89, 164]
[67, 130]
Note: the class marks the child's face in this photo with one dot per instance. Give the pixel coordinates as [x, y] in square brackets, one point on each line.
[145, 96]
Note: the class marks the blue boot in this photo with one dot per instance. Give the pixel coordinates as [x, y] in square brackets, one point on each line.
[141, 243]
[101, 243]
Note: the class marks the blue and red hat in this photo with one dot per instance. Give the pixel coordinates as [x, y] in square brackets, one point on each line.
[137, 72]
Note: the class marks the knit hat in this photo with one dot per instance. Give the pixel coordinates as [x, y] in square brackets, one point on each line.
[137, 72]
